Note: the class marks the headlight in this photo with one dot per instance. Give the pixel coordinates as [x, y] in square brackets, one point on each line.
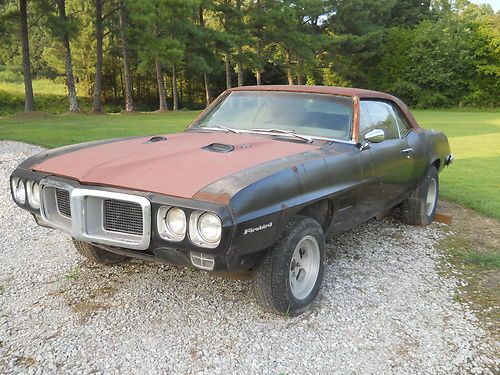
[33, 189]
[209, 227]
[171, 223]
[19, 190]
[205, 229]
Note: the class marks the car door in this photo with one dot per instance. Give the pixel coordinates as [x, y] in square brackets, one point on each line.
[391, 161]
[414, 146]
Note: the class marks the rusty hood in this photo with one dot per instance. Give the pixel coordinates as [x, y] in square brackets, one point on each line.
[179, 166]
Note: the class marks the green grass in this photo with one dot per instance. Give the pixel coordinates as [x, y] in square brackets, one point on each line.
[59, 130]
[474, 178]
[40, 86]
[50, 96]
[464, 253]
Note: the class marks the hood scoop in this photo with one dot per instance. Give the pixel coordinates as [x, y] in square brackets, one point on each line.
[219, 147]
[155, 139]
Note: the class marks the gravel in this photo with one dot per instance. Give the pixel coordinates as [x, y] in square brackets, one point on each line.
[384, 308]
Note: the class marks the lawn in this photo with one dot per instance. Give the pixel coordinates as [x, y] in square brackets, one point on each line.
[59, 130]
[473, 180]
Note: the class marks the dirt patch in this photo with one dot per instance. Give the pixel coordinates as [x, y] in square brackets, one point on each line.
[472, 253]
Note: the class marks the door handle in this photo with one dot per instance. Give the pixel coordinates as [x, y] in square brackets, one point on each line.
[407, 152]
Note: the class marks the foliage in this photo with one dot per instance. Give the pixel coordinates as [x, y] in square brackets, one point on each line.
[431, 53]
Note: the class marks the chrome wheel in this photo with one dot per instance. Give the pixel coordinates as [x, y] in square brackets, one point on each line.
[431, 197]
[304, 267]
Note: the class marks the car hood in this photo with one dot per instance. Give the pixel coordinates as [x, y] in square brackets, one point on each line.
[179, 166]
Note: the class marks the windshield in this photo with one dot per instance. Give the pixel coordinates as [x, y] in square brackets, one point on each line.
[315, 115]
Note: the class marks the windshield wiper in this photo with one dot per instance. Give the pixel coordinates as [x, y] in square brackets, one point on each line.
[282, 131]
[231, 130]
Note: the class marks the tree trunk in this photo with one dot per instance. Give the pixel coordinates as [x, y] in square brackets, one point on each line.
[289, 76]
[97, 105]
[175, 95]
[70, 78]
[227, 59]
[162, 95]
[129, 104]
[258, 77]
[300, 79]
[208, 94]
[239, 67]
[29, 101]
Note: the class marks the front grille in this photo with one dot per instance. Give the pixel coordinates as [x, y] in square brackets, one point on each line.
[123, 217]
[63, 202]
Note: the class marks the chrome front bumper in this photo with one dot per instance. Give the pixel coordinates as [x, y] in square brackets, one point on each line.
[86, 220]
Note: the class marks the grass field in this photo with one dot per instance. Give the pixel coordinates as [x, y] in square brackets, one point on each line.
[50, 96]
[473, 180]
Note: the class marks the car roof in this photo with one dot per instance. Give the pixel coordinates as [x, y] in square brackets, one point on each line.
[331, 90]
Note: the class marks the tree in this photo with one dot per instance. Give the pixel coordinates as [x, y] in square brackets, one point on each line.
[62, 28]
[97, 105]
[129, 103]
[29, 101]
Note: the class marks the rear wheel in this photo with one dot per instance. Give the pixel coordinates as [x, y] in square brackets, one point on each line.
[290, 275]
[96, 254]
[420, 207]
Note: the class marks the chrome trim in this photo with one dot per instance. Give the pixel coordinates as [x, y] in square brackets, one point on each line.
[86, 223]
[201, 261]
[244, 131]
[449, 159]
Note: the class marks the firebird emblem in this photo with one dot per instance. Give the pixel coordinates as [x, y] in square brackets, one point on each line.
[260, 227]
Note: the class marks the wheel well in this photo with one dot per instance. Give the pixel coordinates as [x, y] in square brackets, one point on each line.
[320, 211]
[437, 163]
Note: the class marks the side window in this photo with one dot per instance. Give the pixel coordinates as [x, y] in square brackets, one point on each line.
[403, 124]
[377, 115]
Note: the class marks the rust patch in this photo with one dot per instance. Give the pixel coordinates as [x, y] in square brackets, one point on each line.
[207, 196]
[355, 119]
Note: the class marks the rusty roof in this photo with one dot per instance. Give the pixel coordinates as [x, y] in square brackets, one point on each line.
[342, 91]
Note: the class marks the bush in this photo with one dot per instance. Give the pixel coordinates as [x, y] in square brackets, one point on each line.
[11, 76]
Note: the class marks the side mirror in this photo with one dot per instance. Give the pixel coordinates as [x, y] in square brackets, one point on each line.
[375, 136]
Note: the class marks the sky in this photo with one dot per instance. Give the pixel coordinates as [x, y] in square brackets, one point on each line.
[495, 4]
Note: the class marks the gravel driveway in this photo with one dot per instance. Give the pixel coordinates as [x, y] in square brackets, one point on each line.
[384, 308]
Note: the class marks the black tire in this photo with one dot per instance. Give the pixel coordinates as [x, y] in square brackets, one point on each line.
[98, 255]
[271, 279]
[415, 209]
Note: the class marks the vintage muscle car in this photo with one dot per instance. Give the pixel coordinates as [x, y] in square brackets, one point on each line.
[256, 183]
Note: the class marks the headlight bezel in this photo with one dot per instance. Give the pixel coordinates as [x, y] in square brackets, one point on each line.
[164, 230]
[195, 235]
[32, 195]
[20, 196]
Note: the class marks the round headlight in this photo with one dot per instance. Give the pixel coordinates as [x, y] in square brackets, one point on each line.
[19, 190]
[176, 222]
[209, 227]
[34, 194]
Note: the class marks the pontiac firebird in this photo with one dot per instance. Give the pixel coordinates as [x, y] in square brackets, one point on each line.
[255, 184]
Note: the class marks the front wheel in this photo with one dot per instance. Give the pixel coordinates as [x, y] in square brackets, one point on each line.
[98, 255]
[420, 206]
[290, 275]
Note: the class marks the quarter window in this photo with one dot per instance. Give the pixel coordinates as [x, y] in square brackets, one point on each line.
[403, 125]
[378, 115]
